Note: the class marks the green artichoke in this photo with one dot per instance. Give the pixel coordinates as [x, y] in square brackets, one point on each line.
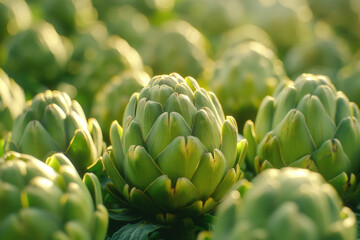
[285, 204]
[12, 102]
[176, 155]
[52, 123]
[36, 58]
[321, 54]
[49, 201]
[15, 16]
[243, 76]
[245, 33]
[110, 102]
[176, 46]
[308, 124]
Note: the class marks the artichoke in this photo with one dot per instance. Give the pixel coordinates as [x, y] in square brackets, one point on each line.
[49, 201]
[243, 76]
[36, 58]
[12, 102]
[53, 122]
[176, 155]
[111, 100]
[245, 33]
[285, 204]
[308, 124]
[322, 54]
[176, 46]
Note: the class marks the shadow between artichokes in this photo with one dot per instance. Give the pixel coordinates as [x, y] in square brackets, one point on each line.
[49, 200]
[308, 124]
[176, 154]
[51, 123]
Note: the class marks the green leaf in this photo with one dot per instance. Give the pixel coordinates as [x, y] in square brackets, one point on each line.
[137, 231]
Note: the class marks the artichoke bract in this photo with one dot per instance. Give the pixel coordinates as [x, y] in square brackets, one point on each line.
[52, 123]
[36, 58]
[49, 201]
[307, 124]
[290, 203]
[176, 154]
[243, 76]
[12, 102]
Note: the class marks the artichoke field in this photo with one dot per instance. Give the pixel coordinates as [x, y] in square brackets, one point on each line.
[179, 120]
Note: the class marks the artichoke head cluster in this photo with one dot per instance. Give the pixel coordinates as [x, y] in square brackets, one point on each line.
[176, 153]
[307, 124]
[48, 200]
[51, 123]
[285, 204]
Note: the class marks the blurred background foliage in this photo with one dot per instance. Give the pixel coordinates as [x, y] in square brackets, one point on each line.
[100, 52]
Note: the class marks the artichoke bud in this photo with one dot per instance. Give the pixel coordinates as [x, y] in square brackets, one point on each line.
[51, 202]
[312, 126]
[52, 123]
[177, 134]
[290, 203]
